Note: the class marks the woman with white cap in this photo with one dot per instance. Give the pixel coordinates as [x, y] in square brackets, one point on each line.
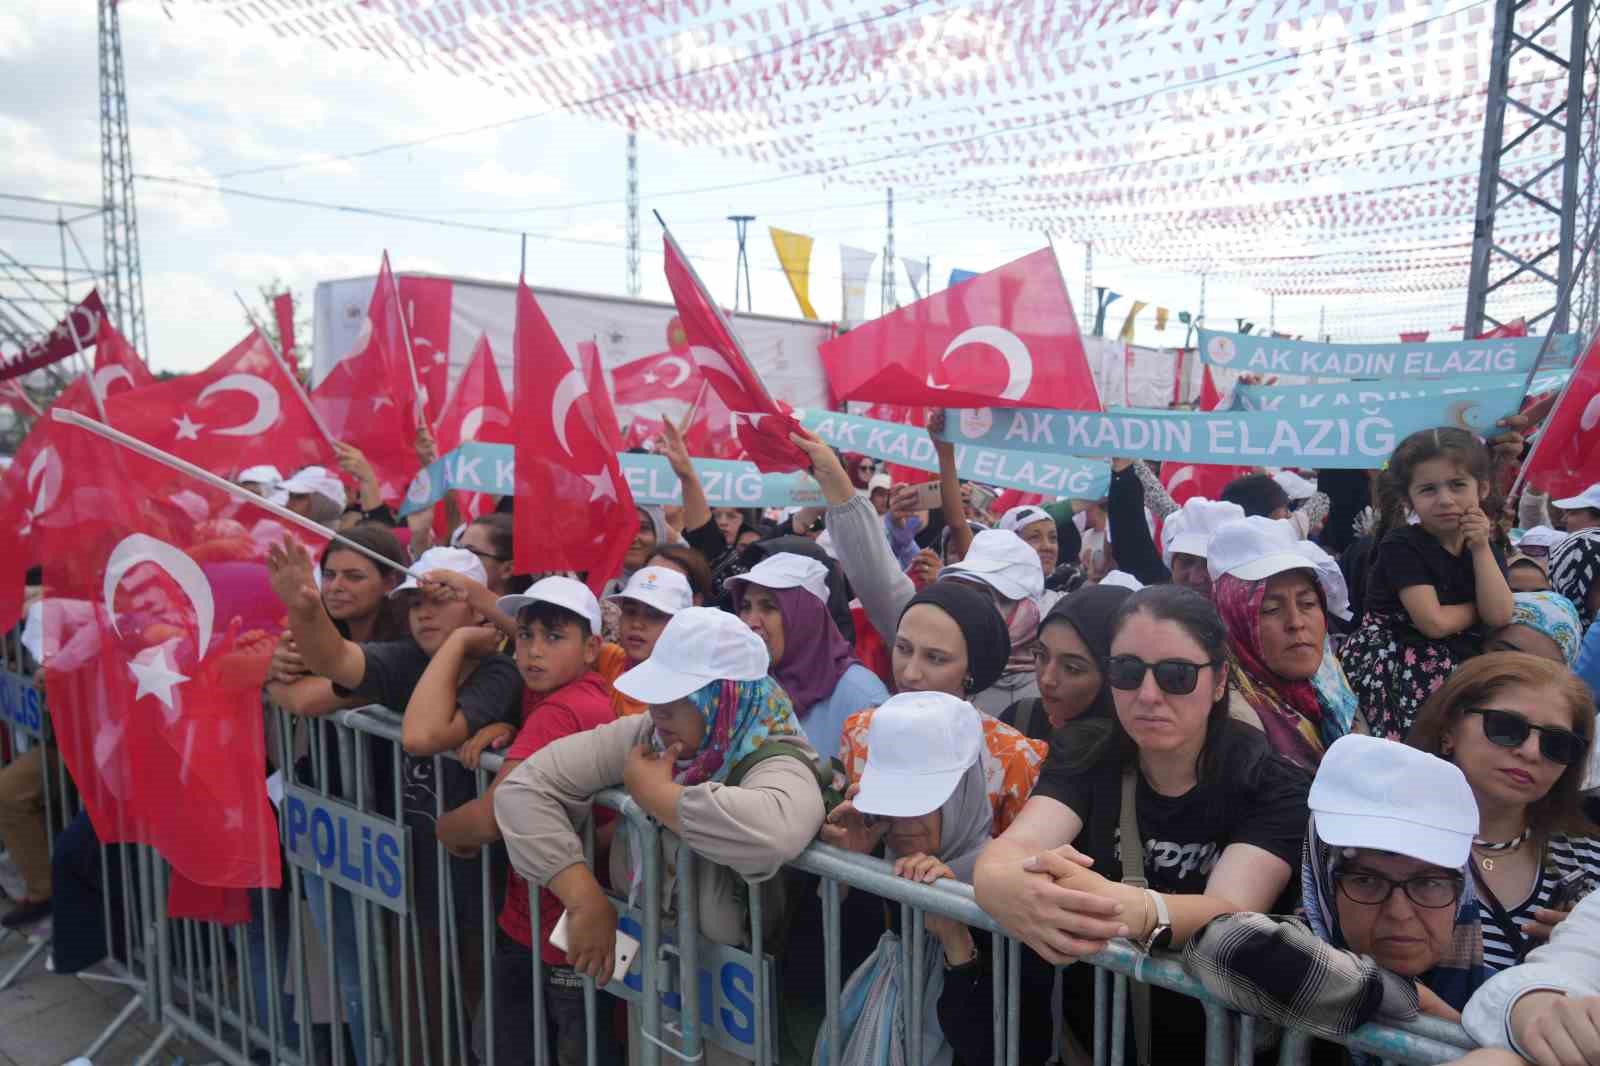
[1274, 592]
[719, 761]
[1390, 927]
[784, 600]
[1186, 537]
[1575, 562]
[923, 786]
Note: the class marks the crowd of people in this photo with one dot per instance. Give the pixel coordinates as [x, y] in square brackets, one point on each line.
[1333, 755]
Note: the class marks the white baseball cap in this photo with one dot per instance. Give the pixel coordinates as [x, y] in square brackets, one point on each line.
[1537, 541]
[1385, 795]
[457, 560]
[1192, 527]
[259, 475]
[1589, 498]
[1296, 486]
[699, 645]
[1256, 548]
[1003, 561]
[789, 570]
[879, 481]
[1122, 579]
[562, 591]
[316, 479]
[1023, 515]
[656, 586]
[918, 746]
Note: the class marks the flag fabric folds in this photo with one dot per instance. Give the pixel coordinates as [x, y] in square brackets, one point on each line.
[1566, 456]
[1007, 338]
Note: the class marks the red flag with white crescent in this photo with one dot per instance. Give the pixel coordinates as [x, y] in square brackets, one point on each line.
[663, 376]
[477, 409]
[1566, 456]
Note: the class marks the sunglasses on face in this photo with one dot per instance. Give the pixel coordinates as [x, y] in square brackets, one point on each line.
[1176, 677]
[1508, 729]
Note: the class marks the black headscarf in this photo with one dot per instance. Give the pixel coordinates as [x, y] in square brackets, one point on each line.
[974, 612]
[1089, 612]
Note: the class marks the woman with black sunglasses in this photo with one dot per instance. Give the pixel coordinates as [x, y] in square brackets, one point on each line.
[1519, 727]
[1220, 817]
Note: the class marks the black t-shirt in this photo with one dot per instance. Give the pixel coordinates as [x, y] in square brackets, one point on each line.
[492, 693]
[1413, 556]
[1248, 795]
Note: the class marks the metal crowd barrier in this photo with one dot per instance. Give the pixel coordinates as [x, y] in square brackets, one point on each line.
[349, 939]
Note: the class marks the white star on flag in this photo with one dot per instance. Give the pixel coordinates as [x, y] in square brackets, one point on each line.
[441, 358]
[188, 429]
[603, 487]
[156, 676]
[650, 377]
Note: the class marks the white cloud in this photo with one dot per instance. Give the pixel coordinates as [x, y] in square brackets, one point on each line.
[493, 178]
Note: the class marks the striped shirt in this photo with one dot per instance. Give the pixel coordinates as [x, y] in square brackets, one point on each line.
[1563, 855]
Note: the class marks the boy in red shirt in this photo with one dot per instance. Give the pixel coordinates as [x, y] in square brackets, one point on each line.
[558, 622]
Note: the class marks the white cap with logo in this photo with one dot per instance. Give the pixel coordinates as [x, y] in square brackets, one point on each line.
[1003, 561]
[788, 570]
[565, 592]
[698, 646]
[456, 560]
[878, 481]
[1023, 515]
[1588, 499]
[918, 746]
[657, 586]
[1385, 795]
[314, 479]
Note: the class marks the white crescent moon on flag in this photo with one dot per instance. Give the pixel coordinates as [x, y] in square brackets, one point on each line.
[474, 419]
[266, 397]
[1179, 476]
[681, 366]
[1019, 361]
[1591, 415]
[44, 479]
[103, 378]
[567, 392]
[138, 548]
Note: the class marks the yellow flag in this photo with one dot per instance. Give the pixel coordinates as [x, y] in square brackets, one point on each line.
[794, 253]
[1126, 336]
[1161, 317]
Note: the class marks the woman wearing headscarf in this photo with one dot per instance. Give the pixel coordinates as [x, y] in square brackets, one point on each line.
[1575, 571]
[784, 600]
[932, 824]
[1543, 624]
[719, 761]
[1391, 922]
[1068, 657]
[1274, 592]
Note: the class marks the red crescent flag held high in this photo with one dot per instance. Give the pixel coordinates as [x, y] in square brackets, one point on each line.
[477, 409]
[575, 511]
[664, 376]
[242, 410]
[1566, 457]
[1007, 338]
[763, 424]
[159, 631]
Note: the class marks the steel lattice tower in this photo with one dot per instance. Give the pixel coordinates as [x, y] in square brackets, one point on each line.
[1514, 173]
[633, 210]
[887, 301]
[124, 282]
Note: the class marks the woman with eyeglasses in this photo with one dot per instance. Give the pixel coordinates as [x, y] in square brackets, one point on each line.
[1219, 817]
[489, 538]
[1519, 727]
[1390, 926]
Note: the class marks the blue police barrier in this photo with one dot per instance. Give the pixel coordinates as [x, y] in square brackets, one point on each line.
[351, 849]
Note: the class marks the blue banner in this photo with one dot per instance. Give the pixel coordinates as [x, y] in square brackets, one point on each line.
[491, 468]
[22, 704]
[1368, 393]
[1059, 476]
[1354, 438]
[1274, 355]
[346, 847]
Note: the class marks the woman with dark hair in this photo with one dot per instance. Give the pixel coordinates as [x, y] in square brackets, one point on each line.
[1218, 818]
[489, 537]
[1520, 728]
[1069, 658]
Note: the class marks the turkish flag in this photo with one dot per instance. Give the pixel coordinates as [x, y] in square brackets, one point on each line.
[764, 424]
[1517, 327]
[426, 304]
[1007, 338]
[1210, 397]
[478, 408]
[713, 432]
[369, 399]
[906, 416]
[242, 410]
[1185, 480]
[1566, 457]
[664, 376]
[117, 367]
[643, 433]
[577, 512]
[158, 634]
[12, 395]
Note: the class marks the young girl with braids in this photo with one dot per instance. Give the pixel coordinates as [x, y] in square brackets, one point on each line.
[1433, 586]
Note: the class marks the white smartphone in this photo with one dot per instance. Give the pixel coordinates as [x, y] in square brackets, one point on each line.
[929, 495]
[627, 947]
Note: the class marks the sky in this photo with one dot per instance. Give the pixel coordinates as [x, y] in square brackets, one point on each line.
[207, 99]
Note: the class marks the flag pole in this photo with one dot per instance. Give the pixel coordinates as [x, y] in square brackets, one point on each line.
[299, 389]
[149, 451]
[21, 394]
[411, 355]
[716, 308]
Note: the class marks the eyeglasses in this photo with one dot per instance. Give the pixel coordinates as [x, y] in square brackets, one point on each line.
[1175, 677]
[1509, 729]
[487, 555]
[1373, 889]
